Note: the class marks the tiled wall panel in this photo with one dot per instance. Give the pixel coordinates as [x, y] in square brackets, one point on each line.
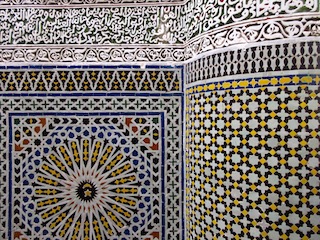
[91, 153]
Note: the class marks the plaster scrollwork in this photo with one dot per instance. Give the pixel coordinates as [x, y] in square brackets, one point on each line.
[216, 13]
[255, 32]
[135, 25]
[68, 2]
[150, 32]
[60, 54]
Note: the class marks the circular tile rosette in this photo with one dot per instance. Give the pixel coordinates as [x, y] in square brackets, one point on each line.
[86, 186]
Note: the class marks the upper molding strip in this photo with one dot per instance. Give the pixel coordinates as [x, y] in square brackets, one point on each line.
[87, 2]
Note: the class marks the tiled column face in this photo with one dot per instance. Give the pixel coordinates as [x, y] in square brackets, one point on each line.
[101, 161]
[253, 158]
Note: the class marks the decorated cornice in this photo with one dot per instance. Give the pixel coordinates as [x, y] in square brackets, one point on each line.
[64, 31]
[82, 2]
[274, 28]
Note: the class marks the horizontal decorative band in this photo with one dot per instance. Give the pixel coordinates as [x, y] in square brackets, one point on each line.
[291, 28]
[153, 80]
[255, 31]
[89, 55]
[271, 57]
[87, 2]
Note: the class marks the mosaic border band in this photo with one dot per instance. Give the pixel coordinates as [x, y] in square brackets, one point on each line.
[257, 82]
[90, 80]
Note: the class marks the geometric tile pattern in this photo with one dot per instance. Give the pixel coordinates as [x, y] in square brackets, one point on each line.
[85, 165]
[253, 159]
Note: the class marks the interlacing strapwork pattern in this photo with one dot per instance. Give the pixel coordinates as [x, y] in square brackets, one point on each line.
[153, 32]
[253, 159]
[91, 166]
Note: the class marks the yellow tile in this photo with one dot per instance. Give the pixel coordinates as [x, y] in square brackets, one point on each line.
[283, 124]
[262, 178]
[285, 80]
[315, 210]
[293, 133]
[293, 190]
[283, 143]
[274, 81]
[283, 161]
[263, 123]
[243, 84]
[273, 207]
[304, 162]
[303, 181]
[263, 197]
[273, 114]
[274, 226]
[314, 172]
[293, 209]
[283, 105]
[226, 85]
[315, 229]
[303, 105]
[306, 79]
[272, 96]
[283, 217]
[283, 199]
[272, 152]
[283, 180]
[263, 82]
[314, 153]
[313, 133]
[304, 219]
[293, 152]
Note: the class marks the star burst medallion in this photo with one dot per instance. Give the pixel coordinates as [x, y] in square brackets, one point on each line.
[86, 188]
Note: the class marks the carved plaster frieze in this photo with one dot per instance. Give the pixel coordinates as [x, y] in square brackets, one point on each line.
[82, 2]
[89, 55]
[144, 33]
[253, 32]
